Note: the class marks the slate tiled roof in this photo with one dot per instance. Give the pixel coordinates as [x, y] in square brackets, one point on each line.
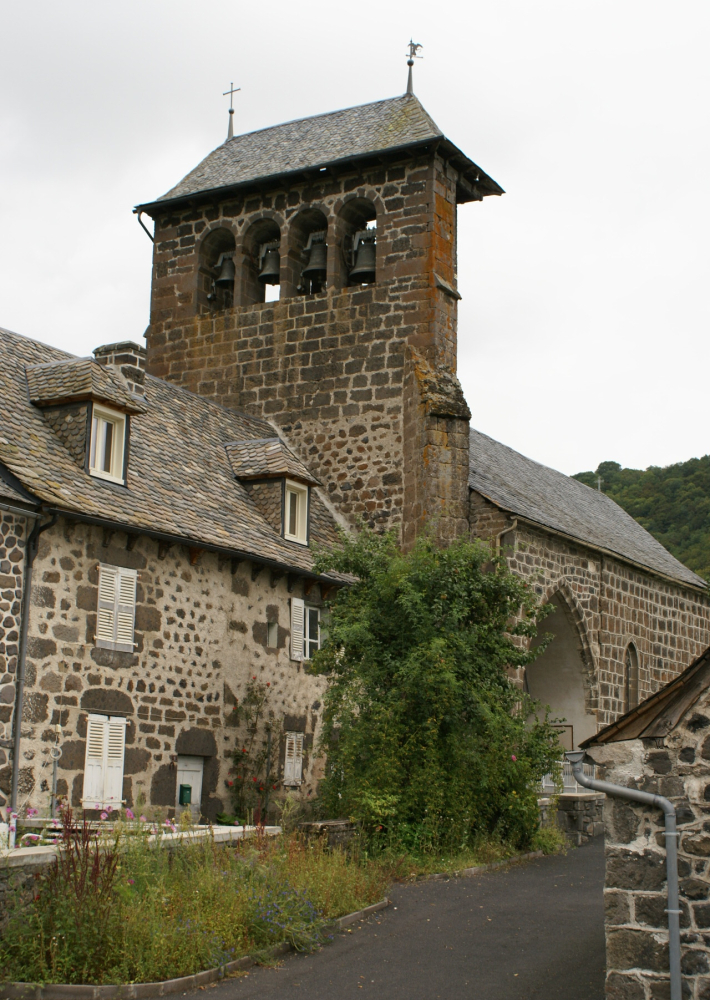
[65, 381]
[549, 498]
[663, 711]
[266, 458]
[323, 140]
[180, 482]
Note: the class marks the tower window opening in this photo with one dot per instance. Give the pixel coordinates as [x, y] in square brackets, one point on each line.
[313, 275]
[216, 272]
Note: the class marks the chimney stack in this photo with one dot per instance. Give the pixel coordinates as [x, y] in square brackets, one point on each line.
[128, 360]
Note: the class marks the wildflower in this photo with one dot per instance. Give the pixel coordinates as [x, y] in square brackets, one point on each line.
[131, 881]
[32, 812]
[129, 814]
[109, 809]
[104, 815]
[143, 819]
[513, 757]
[96, 805]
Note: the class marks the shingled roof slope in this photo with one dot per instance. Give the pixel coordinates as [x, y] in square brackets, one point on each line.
[549, 498]
[266, 458]
[318, 141]
[75, 379]
[180, 482]
[660, 714]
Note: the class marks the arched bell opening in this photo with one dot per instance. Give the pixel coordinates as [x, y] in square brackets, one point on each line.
[357, 239]
[260, 270]
[559, 677]
[631, 677]
[306, 266]
[216, 271]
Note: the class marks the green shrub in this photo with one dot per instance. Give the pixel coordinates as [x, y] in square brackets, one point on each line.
[428, 742]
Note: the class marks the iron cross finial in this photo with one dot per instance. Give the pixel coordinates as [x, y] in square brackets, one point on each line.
[232, 91]
[413, 46]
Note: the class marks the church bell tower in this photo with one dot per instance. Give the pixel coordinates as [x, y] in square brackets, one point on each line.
[306, 273]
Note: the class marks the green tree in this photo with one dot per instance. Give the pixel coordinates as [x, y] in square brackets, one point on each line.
[672, 503]
[427, 740]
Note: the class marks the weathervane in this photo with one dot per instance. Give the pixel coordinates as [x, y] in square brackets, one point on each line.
[232, 91]
[412, 55]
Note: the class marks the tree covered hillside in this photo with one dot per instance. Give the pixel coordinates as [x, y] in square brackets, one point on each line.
[672, 503]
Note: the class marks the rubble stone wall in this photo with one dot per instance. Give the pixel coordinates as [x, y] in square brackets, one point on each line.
[677, 767]
[201, 634]
[610, 603]
[13, 534]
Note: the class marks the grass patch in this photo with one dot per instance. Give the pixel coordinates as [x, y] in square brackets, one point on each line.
[131, 912]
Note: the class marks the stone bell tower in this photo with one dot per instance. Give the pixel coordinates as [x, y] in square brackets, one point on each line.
[306, 273]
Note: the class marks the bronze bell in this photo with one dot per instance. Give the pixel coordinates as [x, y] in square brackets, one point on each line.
[226, 274]
[270, 272]
[317, 266]
[365, 261]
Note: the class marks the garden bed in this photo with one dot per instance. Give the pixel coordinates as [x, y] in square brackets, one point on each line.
[129, 913]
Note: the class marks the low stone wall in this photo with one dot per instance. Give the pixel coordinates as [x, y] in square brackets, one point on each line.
[579, 815]
[341, 833]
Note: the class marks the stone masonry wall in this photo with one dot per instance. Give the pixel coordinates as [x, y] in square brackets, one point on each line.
[677, 767]
[201, 634]
[330, 370]
[611, 604]
[13, 534]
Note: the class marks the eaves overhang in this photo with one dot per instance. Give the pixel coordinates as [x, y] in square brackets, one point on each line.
[478, 184]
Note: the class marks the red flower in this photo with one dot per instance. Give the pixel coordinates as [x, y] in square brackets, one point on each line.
[253, 779]
[268, 684]
[254, 677]
[230, 783]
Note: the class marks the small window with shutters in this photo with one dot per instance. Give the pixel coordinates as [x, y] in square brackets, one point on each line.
[305, 629]
[293, 759]
[103, 766]
[116, 613]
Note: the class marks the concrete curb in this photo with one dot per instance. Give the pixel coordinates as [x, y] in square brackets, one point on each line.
[134, 991]
[466, 872]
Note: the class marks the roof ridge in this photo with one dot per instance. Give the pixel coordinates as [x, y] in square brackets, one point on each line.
[328, 114]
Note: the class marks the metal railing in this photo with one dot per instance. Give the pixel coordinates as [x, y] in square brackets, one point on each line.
[569, 782]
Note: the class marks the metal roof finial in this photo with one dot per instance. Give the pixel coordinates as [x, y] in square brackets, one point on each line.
[232, 91]
[413, 46]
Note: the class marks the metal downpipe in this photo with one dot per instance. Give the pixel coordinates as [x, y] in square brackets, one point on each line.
[576, 759]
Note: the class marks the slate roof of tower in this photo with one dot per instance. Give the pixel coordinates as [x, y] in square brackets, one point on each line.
[527, 489]
[180, 482]
[319, 141]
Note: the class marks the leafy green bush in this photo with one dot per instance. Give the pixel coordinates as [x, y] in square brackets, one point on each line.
[428, 742]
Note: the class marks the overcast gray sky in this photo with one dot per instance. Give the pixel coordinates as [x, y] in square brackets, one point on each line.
[583, 329]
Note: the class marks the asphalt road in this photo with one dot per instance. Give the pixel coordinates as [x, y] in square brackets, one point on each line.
[534, 930]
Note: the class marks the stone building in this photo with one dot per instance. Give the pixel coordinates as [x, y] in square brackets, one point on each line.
[300, 372]
[662, 747]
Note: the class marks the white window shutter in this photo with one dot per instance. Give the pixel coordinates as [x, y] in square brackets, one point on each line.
[115, 749]
[106, 612]
[96, 732]
[297, 625]
[126, 610]
[116, 611]
[293, 759]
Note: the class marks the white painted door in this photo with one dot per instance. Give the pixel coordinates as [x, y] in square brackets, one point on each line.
[189, 772]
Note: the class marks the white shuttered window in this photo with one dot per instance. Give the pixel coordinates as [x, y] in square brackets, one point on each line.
[298, 611]
[293, 760]
[103, 767]
[117, 608]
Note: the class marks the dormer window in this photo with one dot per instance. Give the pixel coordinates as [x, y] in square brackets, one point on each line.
[296, 513]
[108, 440]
